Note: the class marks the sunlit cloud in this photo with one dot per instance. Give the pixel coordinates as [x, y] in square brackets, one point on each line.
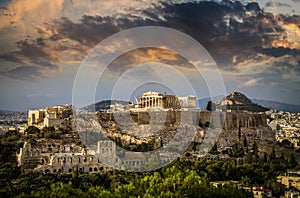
[251, 83]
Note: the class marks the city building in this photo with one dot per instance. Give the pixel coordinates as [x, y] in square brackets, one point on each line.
[290, 181]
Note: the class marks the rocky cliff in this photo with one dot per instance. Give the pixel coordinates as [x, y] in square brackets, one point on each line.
[238, 101]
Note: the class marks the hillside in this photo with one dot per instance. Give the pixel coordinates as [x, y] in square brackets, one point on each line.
[104, 105]
[278, 105]
[238, 101]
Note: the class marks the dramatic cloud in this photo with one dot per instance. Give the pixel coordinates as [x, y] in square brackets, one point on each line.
[139, 56]
[236, 35]
[22, 13]
[279, 51]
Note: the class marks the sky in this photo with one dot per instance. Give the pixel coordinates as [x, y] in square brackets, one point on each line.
[254, 44]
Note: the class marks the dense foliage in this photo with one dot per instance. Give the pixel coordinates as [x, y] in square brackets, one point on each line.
[181, 178]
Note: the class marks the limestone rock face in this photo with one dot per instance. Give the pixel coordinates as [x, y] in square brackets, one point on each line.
[238, 101]
[234, 120]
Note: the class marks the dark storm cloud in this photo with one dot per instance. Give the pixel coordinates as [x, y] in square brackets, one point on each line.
[226, 29]
[231, 31]
[34, 52]
[223, 28]
[89, 32]
[279, 51]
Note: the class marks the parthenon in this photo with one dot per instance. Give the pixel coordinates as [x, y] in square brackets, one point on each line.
[152, 99]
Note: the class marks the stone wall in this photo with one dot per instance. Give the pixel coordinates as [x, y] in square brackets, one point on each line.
[233, 120]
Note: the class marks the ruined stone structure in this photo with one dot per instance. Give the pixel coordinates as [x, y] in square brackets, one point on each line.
[152, 99]
[50, 116]
[188, 102]
[54, 156]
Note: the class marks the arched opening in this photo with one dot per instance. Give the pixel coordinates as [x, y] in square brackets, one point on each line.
[90, 169]
[47, 171]
[101, 168]
[70, 170]
[95, 169]
[54, 171]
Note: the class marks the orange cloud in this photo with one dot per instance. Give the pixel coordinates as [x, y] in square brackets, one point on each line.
[26, 14]
[291, 38]
[153, 55]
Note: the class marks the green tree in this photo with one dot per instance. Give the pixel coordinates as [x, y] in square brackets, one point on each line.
[273, 155]
[32, 130]
[265, 158]
[211, 106]
[214, 150]
[293, 162]
[239, 132]
[49, 129]
[255, 148]
[245, 180]
[245, 142]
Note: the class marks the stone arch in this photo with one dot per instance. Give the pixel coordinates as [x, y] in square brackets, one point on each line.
[90, 169]
[95, 169]
[47, 171]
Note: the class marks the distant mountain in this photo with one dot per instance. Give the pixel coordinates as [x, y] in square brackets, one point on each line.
[8, 111]
[238, 101]
[278, 105]
[202, 103]
[104, 105]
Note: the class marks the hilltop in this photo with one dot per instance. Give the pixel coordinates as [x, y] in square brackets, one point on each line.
[238, 101]
[104, 105]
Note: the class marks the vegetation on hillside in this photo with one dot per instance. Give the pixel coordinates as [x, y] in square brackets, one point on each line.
[181, 178]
